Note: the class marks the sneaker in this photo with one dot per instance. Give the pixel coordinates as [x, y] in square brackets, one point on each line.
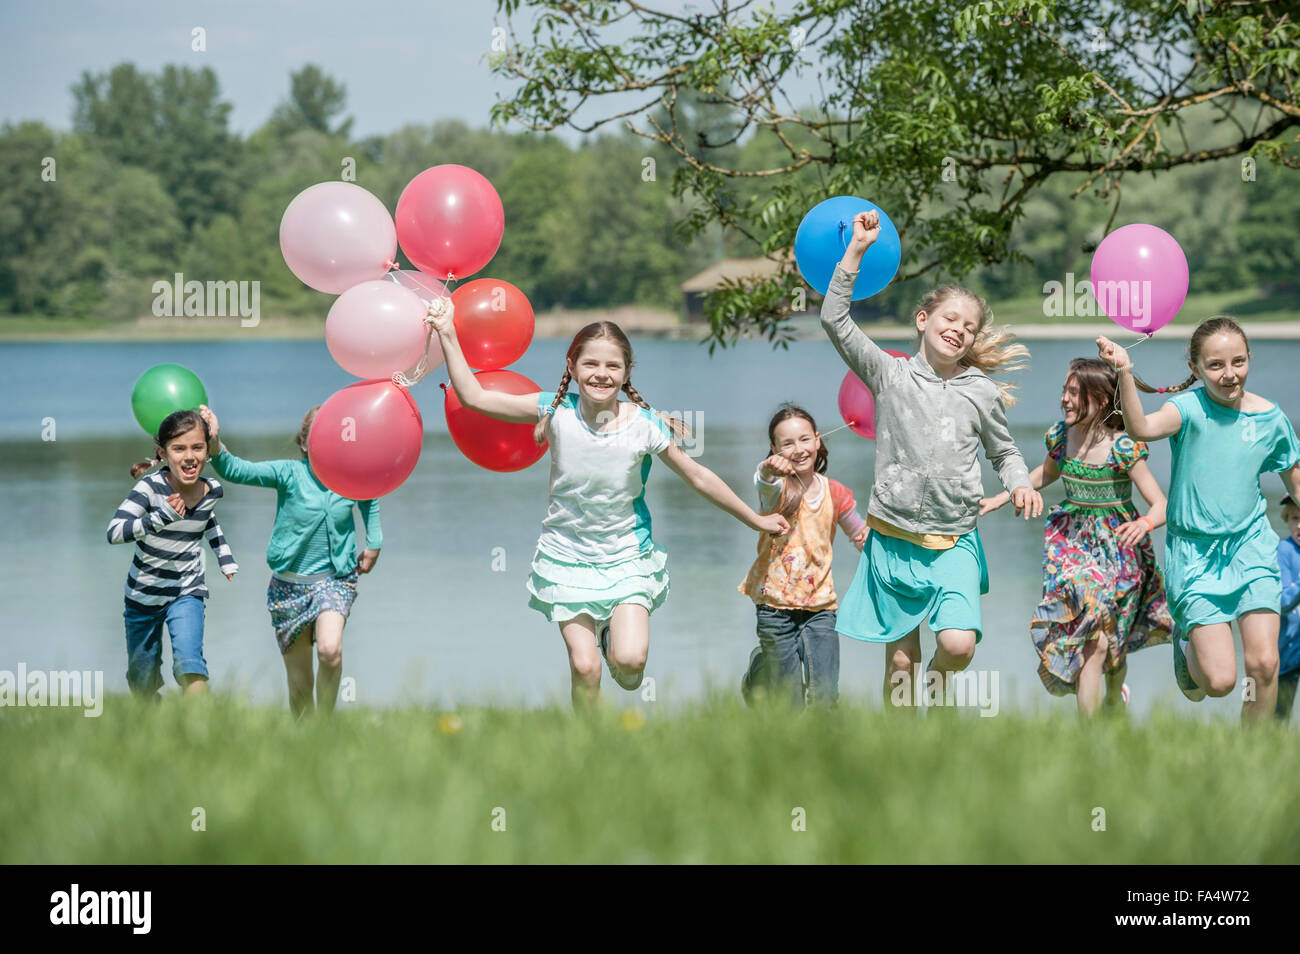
[1124, 694]
[1183, 675]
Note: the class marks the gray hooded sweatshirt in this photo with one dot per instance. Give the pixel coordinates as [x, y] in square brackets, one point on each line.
[928, 430]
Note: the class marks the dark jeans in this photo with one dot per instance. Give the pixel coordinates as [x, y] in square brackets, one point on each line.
[1286, 687]
[792, 643]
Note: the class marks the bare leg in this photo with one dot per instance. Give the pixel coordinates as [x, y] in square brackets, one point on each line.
[1212, 659]
[1114, 700]
[297, 667]
[629, 643]
[194, 686]
[902, 656]
[584, 660]
[1259, 630]
[1089, 688]
[329, 652]
[954, 649]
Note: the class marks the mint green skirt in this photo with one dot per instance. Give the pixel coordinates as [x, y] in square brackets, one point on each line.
[563, 591]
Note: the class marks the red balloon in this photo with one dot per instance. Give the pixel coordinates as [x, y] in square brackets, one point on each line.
[366, 439]
[497, 445]
[858, 404]
[450, 221]
[494, 322]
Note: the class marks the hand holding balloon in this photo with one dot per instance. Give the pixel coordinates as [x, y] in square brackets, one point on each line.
[775, 466]
[214, 429]
[1113, 354]
[442, 315]
[866, 229]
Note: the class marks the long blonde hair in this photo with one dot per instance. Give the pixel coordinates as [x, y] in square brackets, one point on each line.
[594, 332]
[994, 350]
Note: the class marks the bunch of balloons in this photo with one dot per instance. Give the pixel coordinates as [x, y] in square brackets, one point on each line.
[338, 238]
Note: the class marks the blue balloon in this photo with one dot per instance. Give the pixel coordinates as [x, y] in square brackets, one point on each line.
[823, 236]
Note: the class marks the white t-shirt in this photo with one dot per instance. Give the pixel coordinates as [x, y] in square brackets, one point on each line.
[597, 511]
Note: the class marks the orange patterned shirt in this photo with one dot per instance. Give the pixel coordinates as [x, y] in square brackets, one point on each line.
[793, 571]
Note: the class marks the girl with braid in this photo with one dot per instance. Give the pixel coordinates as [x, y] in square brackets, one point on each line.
[1220, 550]
[598, 573]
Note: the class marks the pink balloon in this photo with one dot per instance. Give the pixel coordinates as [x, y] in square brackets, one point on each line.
[335, 235]
[366, 439]
[857, 406]
[450, 221]
[375, 329]
[1139, 277]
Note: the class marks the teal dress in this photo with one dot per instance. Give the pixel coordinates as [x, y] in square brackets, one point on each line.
[1221, 551]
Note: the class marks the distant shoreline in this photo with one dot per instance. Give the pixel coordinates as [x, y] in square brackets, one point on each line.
[638, 322]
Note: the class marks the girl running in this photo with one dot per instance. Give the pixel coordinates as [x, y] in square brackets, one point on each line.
[925, 561]
[597, 572]
[314, 564]
[790, 581]
[1220, 551]
[167, 515]
[1103, 594]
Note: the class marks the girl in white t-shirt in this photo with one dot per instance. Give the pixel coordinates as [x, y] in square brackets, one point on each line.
[597, 572]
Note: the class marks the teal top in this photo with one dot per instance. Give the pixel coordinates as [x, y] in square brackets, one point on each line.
[1219, 455]
[314, 531]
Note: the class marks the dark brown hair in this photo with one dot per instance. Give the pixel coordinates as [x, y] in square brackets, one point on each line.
[1097, 385]
[1206, 329]
[792, 488]
[173, 425]
[612, 332]
[305, 429]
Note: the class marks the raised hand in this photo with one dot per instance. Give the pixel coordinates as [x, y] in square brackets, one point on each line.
[1113, 354]
[774, 465]
[442, 314]
[866, 229]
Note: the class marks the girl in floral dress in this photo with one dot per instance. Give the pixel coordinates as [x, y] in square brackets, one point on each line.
[1103, 595]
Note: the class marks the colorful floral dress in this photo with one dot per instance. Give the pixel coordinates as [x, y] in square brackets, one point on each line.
[1093, 586]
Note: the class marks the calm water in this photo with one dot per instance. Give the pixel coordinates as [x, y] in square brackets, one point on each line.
[435, 624]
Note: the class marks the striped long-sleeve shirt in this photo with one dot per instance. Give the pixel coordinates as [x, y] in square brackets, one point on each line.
[168, 561]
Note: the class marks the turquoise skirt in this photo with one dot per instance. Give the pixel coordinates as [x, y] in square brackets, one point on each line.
[899, 585]
[1215, 579]
[562, 591]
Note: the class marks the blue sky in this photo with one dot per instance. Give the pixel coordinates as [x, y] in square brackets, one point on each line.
[402, 61]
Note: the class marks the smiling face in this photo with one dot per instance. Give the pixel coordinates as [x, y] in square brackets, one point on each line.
[599, 370]
[1074, 403]
[185, 455]
[796, 441]
[948, 330]
[1223, 364]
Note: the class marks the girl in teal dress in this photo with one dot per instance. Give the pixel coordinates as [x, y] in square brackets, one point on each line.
[1103, 594]
[1220, 552]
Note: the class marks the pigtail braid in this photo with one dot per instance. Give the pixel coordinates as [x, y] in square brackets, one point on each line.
[675, 424]
[539, 429]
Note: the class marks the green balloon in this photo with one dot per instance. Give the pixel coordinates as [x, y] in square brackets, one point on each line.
[163, 389]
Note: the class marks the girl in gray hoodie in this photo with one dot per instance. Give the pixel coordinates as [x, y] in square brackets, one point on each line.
[925, 562]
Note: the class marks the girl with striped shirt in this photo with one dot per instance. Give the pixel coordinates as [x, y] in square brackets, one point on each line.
[167, 515]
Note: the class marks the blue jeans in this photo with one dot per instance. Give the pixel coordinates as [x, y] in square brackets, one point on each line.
[184, 619]
[790, 642]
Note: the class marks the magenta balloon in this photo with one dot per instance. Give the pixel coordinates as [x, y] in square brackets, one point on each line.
[1139, 277]
[450, 221]
[366, 439]
[335, 235]
[857, 406]
[375, 329]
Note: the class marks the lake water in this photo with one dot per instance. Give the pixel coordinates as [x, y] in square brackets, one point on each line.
[435, 624]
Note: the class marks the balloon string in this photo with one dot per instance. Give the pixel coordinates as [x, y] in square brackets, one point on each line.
[417, 374]
[840, 428]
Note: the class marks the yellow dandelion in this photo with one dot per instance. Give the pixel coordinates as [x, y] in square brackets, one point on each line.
[631, 719]
[449, 724]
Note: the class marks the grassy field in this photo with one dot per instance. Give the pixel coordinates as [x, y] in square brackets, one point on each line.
[714, 783]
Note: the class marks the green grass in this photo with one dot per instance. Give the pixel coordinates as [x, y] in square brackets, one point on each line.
[714, 783]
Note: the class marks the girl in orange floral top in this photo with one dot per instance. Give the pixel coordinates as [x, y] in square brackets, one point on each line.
[790, 581]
